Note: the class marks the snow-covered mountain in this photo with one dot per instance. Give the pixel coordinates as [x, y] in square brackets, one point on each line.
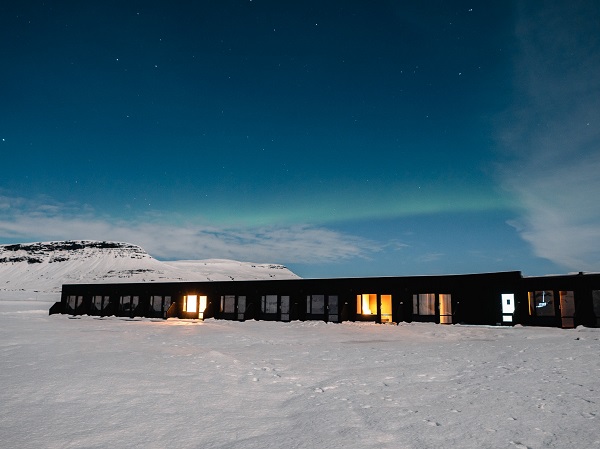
[28, 270]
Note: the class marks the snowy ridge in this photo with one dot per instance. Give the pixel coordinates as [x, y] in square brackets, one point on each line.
[30, 269]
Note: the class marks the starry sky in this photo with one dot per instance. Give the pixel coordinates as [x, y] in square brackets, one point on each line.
[340, 138]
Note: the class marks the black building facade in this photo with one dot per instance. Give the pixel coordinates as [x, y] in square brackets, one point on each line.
[504, 298]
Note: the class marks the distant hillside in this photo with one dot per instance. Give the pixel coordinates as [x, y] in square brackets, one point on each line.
[32, 270]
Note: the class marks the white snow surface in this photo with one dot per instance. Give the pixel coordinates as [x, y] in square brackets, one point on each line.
[38, 270]
[120, 383]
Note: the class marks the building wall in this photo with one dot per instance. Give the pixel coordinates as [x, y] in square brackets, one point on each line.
[469, 299]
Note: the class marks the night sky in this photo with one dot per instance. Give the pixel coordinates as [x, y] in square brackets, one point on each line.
[340, 138]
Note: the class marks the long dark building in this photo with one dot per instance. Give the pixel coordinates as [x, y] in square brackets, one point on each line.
[504, 298]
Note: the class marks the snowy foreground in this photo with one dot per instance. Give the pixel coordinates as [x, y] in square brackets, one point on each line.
[117, 383]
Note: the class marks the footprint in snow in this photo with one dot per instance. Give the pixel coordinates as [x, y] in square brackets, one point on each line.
[519, 445]
[432, 423]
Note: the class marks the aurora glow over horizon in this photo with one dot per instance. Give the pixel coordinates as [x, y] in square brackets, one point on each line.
[341, 138]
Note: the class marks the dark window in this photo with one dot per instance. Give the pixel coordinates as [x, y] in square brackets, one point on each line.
[333, 304]
[160, 303]
[269, 304]
[541, 303]
[241, 307]
[100, 302]
[318, 304]
[424, 304]
[285, 308]
[74, 301]
[596, 302]
[228, 304]
[125, 303]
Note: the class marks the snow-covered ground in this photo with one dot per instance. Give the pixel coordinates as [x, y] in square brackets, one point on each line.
[119, 383]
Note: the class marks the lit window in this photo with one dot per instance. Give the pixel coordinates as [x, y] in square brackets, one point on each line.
[386, 308]
[445, 309]
[366, 304]
[190, 303]
[508, 307]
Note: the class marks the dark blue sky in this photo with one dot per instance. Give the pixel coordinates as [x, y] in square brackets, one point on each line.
[336, 137]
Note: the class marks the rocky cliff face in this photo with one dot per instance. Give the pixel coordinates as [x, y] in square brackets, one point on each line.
[50, 252]
[28, 270]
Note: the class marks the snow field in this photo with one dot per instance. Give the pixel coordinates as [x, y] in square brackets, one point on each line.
[113, 382]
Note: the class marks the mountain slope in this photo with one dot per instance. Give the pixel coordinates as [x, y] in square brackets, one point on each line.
[34, 269]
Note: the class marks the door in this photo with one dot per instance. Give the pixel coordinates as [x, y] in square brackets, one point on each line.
[135, 302]
[567, 309]
[508, 307]
[386, 308]
[241, 307]
[285, 308]
[332, 309]
[445, 308]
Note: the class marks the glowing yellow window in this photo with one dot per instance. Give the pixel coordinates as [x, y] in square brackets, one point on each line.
[195, 304]
[203, 300]
[366, 304]
[445, 301]
[386, 308]
[190, 303]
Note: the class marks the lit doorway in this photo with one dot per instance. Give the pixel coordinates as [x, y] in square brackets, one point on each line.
[374, 306]
[445, 308]
[386, 308]
[194, 304]
[508, 307]
[191, 303]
